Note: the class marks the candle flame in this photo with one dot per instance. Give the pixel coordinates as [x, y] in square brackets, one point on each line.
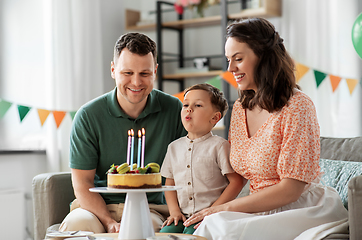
[143, 131]
[129, 132]
[132, 132]
[139, 133]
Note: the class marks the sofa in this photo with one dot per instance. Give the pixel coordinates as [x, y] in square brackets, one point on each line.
[341, 161]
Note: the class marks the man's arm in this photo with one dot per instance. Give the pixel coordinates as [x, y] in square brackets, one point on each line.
[82, 181]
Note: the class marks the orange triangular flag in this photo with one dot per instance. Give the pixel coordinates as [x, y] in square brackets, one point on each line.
[43, 115]
[180, 95]
[334, 81]
[300, 71]
[351, 83]
[58, 117]
[229, 77]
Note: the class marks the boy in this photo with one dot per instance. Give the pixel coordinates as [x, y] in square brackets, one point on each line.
[199, 162]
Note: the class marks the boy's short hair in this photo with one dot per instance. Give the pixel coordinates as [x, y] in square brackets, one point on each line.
[216, 96]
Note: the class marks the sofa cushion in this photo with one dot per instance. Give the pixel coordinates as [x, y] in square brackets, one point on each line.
[346, 149]
[337, 174]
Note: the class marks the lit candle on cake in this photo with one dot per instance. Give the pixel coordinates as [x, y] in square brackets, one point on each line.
[143, 147]
[132, 149]
[139, 149]
[128, 146]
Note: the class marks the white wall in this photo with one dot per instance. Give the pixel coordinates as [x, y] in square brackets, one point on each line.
[22, 71]
[23, 65]
[16, 206]
[23, 81]
[112, 18]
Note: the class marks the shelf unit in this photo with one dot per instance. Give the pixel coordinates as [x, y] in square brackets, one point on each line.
[269, 8]
[180, 76]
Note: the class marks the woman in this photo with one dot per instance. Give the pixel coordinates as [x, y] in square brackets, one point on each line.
[274, 136]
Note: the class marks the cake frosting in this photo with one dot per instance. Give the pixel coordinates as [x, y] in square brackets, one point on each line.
[122, 177]
[134, 180]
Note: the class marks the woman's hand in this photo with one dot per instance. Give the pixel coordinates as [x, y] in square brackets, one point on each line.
[199, 216]
[174, 218]
[278, 195]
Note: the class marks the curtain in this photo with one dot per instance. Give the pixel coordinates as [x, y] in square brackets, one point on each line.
[73, 66]
[317, 34]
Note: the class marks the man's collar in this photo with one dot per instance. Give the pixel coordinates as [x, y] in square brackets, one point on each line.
[153, 105]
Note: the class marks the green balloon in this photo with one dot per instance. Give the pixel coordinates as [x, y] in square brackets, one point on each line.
[357, 35]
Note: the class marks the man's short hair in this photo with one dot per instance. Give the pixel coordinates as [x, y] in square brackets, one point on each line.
[137, 43]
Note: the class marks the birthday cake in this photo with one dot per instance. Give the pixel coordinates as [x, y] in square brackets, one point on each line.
[125, 176]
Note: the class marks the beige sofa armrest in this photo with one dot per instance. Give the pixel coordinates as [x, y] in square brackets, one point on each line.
[355, 207]
[52, 194]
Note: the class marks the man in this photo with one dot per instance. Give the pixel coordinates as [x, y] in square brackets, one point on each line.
[99, 136]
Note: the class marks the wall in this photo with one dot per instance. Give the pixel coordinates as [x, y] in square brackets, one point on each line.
[112, 22]
[22, 74]
[16, 174]
[23, 81]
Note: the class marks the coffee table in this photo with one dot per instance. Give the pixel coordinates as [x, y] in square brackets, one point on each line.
[136, 220]
[115, 235]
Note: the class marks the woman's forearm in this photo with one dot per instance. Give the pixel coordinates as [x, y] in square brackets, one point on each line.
[273, 197]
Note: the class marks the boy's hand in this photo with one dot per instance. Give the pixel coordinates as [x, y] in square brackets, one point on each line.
[174, 218]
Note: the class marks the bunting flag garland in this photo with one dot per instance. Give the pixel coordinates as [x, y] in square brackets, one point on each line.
[180, 95]
[4, 107]
[43, 115]
[319, 77]
[301, 70]
[351, 83]
[23, 111]
[216, 82]
[72, 114]
[58, 117]
[229, 77]
[334, 81]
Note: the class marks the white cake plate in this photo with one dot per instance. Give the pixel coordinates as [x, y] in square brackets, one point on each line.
[136, 220]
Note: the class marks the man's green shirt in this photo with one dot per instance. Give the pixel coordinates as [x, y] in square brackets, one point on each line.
[99, 136]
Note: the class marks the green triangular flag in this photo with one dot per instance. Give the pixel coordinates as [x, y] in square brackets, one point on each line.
[4, 107]
[319, 77]
[23, 110]
[72, 114]
[216, 82]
